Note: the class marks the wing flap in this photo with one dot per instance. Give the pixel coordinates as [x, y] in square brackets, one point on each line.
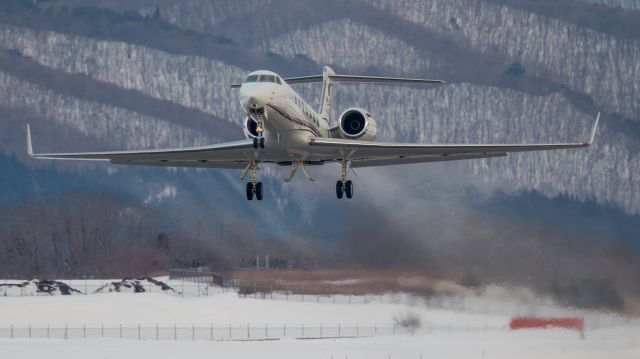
[187, 164]
[375, 162]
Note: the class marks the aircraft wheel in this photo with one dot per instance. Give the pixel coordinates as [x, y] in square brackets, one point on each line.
[348, 189]
[339, 189]
[249, 191]
[255, 143]
[261, 142]
[259, 191]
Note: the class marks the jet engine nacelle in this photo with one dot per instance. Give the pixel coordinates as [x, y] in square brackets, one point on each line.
[250, 128]
[357, 123]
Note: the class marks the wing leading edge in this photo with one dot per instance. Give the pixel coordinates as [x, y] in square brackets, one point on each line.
[224, 155]
[366, 154]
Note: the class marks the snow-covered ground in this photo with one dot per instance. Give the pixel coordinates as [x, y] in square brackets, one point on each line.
[444, 333]
[606, 343]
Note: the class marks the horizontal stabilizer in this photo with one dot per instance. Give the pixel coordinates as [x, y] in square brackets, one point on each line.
[351, 78]
[374, 79]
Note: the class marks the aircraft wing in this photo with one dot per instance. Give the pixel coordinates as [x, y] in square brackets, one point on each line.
[224, 155]
[366, 153]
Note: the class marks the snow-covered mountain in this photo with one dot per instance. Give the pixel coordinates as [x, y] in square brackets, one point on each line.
[568, 73]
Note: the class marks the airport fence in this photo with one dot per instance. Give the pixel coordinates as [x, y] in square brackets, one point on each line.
[212, 332]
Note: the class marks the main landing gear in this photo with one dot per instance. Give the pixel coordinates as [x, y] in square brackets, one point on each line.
[253, 187]
[344, 186]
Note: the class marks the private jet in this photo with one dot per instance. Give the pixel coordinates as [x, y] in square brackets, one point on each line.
[282, 128]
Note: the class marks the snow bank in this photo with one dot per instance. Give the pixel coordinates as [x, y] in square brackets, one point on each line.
[36, 287]
[140, 285]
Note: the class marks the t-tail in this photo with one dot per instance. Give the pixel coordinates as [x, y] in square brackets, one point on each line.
[329, 77]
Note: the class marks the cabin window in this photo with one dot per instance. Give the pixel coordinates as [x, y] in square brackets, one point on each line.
[278, 81]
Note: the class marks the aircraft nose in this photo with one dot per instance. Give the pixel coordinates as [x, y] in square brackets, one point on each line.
[256, 97]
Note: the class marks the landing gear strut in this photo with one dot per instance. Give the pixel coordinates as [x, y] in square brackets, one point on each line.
[253, 187]
[259, 141]
[344, 186]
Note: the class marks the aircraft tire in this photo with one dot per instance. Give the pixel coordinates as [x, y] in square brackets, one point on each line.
[249, 191]
[339, 189]
[259, 191]
[348, 189]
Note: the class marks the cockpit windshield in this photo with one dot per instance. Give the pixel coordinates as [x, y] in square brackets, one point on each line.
[267, 78]
[251, 78]
[263, 78]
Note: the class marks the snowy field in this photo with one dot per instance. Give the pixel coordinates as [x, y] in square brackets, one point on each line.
[614, 344]
[444, 333]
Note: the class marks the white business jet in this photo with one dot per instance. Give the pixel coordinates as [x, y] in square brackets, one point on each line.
[281, 128]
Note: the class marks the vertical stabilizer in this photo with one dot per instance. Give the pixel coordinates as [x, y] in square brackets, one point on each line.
[325, 106]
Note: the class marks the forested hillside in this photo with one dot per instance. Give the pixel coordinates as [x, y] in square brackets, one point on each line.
[115, 74]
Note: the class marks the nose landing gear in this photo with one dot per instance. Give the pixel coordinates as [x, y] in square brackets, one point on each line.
[258, 142]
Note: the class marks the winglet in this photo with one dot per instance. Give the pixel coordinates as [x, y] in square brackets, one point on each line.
[29, 144]
[593, 130]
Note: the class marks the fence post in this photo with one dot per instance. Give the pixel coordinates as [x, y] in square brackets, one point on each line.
[302, 329]
[120, 330]
[339, 330]
[357, 330]
[375, 329]
[211, 337]
[84, 331]
[266, 330]
[320, 329]
[193, 333]
[285, 330]
[248, 330]
[102, 330]
[48, 325]
[66, 331]
[157, 332]
[11, 331]
[229, 331]
[29, 331]
[175, 331]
